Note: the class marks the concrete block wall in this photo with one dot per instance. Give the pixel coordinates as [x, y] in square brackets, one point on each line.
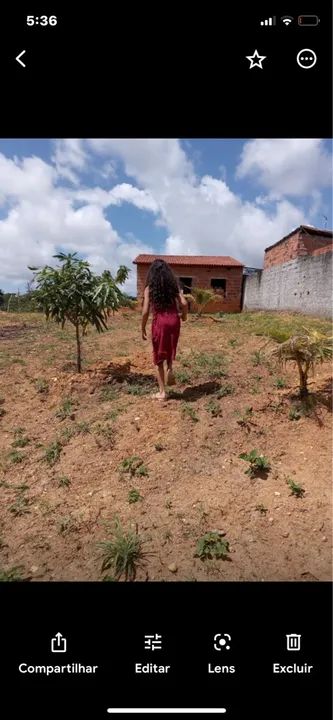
[303, 284]
[201, 277]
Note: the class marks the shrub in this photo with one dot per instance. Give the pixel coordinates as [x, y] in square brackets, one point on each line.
[294, 414]
[64, 481]
[13, 574]
[16, 457]
[134, 496]
[20, 506]
[52, 452]
[133, 465]
[280, 383]
[306, 350]
[212, 545]
[66, 409]
[225, 390]
[189, 412]
[296, 489]
[123, 553]
[214, 408]
[41, 385]
[259, 464]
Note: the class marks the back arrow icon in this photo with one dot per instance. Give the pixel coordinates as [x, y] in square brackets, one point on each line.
[18, 58]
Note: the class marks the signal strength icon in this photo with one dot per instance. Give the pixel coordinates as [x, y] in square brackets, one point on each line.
[287, 20]
[269, 22]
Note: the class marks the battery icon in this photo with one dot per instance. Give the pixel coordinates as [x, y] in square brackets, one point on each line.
[308, 20]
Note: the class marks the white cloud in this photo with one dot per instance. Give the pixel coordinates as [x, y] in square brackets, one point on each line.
[241, 230]
[69, 158]
[286, 167]
[205, 216]
[96, 196]
[142, 199]
[199, 215]
[42, 217]
[109, 170]
[153, 163]
[72, 157]
[216, 192]
[29, 178]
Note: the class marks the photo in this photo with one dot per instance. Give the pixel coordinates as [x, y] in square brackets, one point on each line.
[165, 360]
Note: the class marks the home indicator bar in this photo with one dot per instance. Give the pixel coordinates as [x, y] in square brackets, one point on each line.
[166, 711]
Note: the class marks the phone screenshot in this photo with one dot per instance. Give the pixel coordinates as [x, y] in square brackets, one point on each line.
[165, 361]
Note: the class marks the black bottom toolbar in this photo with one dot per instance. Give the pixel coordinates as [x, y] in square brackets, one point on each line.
[239, 650]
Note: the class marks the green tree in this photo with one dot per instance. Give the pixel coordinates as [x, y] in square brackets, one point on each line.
[71, 292]
[2, 298]
[108, 293]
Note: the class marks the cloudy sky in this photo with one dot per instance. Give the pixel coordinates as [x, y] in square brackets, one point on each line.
[112, 199]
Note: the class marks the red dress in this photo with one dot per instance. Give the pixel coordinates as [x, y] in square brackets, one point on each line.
[165, 334]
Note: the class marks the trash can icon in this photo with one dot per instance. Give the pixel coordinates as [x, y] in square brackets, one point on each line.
[293, 642]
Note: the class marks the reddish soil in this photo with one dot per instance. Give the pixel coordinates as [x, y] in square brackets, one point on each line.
[195, 484]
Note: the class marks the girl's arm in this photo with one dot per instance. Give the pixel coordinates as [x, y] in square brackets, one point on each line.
[183, 306]
[145, 313]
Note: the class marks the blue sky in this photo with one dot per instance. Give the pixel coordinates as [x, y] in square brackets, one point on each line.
[112, 199]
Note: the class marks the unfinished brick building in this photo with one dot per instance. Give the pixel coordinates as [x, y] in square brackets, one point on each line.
[297, 275]
[303, 241]
[222, 274]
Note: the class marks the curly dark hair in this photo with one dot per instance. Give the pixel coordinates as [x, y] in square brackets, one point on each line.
[163, 286]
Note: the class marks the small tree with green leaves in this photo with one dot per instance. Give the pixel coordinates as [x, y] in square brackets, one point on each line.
[202, 297]
[72, 293]
[107, 292]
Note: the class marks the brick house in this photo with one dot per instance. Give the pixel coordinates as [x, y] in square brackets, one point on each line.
[303, 241]
[222, 274]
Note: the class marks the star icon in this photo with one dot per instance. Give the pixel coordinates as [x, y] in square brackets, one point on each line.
[256, 60]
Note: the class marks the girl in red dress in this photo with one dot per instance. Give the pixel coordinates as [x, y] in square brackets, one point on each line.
[163, 297]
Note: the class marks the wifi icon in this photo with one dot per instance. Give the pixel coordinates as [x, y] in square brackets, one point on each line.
[287, 19]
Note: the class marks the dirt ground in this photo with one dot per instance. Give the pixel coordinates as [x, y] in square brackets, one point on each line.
[64, 436]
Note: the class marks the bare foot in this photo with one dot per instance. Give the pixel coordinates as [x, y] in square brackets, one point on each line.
[159, 396]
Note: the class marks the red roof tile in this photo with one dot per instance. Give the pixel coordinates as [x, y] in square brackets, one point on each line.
[203, 260]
